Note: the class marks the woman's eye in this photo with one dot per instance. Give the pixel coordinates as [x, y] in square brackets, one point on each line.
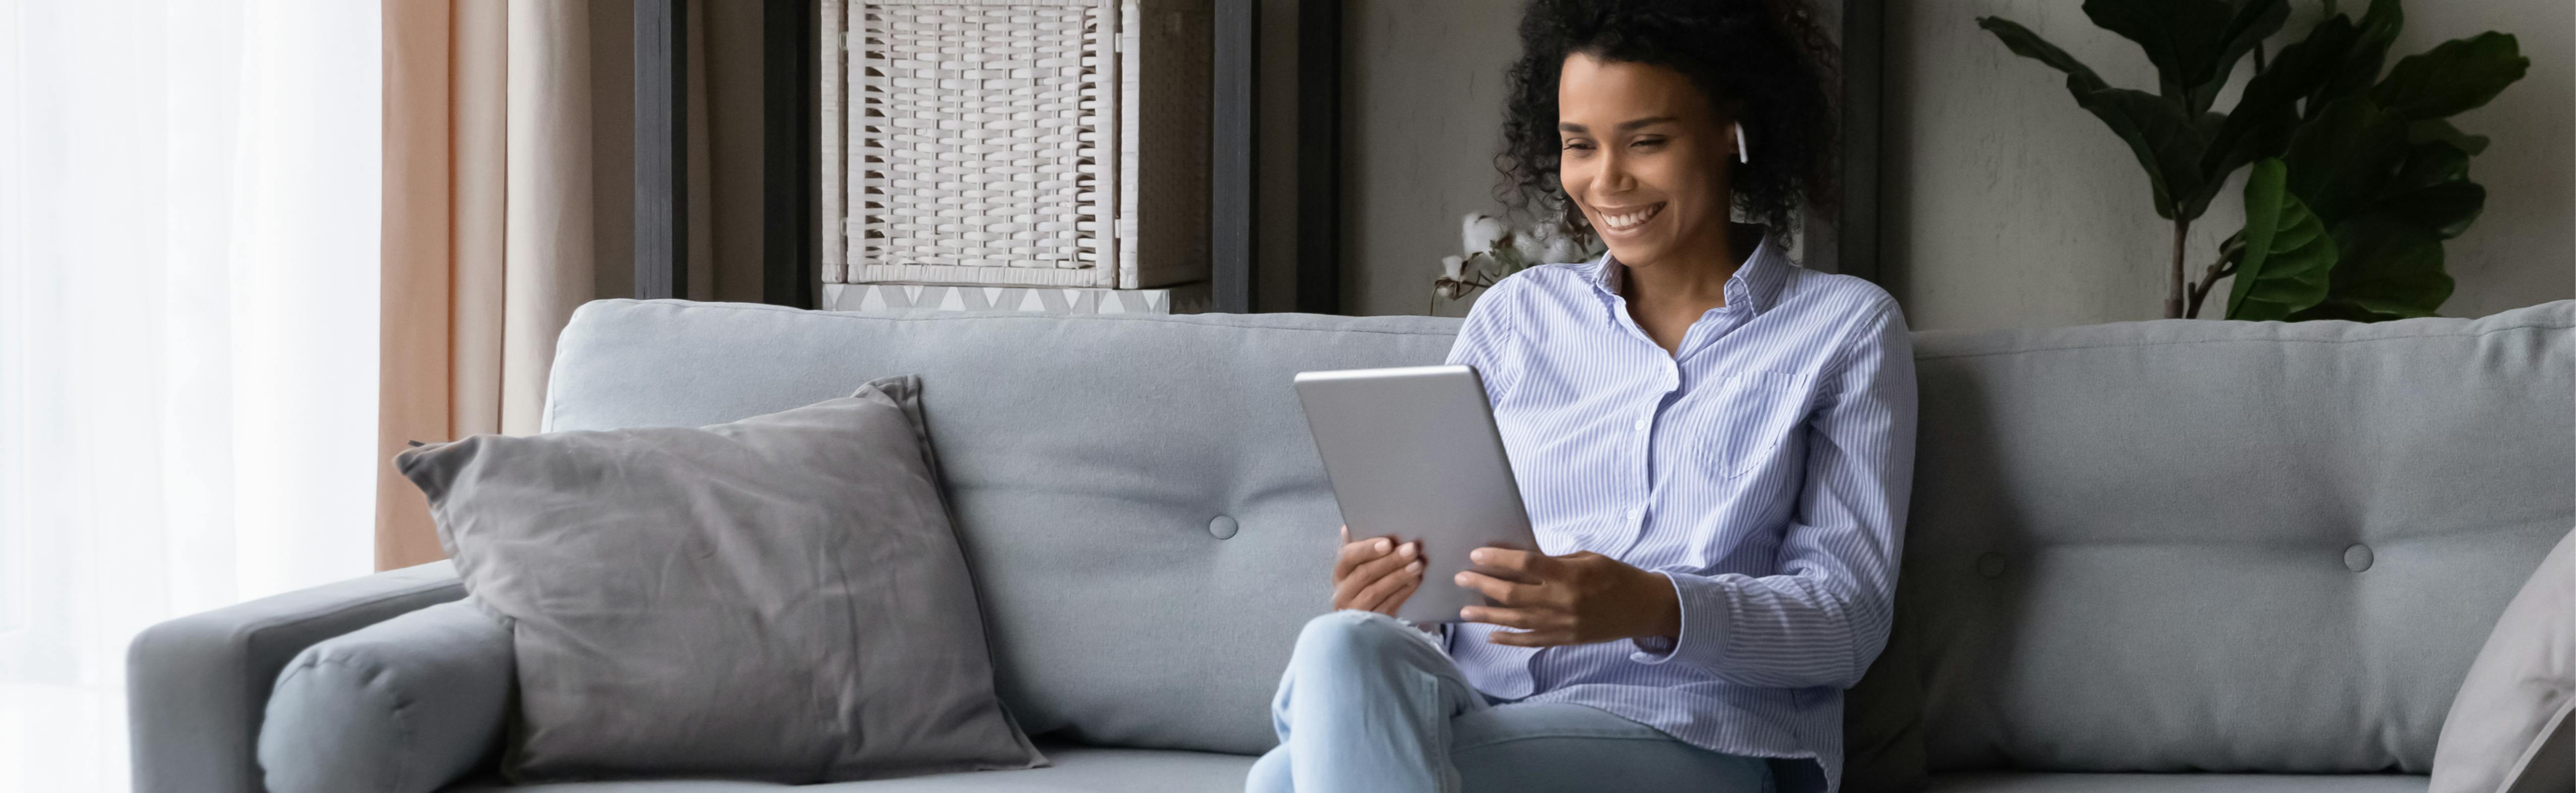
[1576, 145]
[1646, 142]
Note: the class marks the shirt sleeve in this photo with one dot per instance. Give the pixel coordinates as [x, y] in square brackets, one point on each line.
[1824, 616]
[1488, 342]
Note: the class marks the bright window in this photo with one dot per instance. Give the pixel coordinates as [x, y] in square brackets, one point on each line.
[189, 196]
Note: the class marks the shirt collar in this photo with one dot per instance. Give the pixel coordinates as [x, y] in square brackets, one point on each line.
[1756, 283]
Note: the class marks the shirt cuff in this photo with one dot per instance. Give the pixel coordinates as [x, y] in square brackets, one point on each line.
[1704, 622]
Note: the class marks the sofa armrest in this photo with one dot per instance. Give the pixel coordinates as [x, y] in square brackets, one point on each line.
[406, 705]
[196, 686]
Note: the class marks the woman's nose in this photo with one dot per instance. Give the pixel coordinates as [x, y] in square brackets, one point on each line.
[1614, 176]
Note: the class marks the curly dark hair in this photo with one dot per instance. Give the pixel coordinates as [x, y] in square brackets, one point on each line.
[1764, 63]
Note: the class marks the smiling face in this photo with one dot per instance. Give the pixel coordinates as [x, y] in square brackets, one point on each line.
[1644, 155]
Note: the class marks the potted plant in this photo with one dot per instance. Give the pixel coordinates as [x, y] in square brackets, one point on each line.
[1492, 249]
[2358, 176]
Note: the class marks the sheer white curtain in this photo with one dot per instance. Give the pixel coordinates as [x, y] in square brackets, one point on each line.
[188, 324]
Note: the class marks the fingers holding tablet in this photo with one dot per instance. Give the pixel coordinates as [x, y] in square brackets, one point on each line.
[1375, 574]
[1415, 451]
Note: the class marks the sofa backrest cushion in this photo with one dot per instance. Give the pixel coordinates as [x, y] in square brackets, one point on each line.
[2222, 546]
[1145, 517]
[2168, 545]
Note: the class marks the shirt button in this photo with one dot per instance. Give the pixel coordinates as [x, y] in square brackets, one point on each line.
[1641, 424]
[1635, 512]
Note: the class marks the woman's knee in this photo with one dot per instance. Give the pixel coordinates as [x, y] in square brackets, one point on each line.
[1344, 636]
[1270, 773]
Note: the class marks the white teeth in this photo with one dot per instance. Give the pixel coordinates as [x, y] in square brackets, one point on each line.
[1630, 220]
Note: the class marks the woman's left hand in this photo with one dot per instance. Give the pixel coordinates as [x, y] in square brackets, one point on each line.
[1579, 598]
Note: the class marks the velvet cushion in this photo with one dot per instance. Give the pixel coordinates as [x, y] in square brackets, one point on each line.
[778, 598]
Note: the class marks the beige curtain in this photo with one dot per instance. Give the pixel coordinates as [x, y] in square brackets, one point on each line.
[509, 196]
[487, 227]
[548, 262]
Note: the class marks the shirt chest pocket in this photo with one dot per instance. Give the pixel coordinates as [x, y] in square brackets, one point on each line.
[1753, 414]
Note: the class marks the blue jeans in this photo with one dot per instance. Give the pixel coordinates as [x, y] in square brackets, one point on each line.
[1369, 704]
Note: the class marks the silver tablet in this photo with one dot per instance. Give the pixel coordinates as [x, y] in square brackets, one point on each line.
[1413, 454]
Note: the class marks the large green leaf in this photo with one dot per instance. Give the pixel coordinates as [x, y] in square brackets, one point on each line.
[2434, 129]
[2255, 21]
[2388, 267]
[2288, 256]
[2427, 164]
[2080, 78]
[2192, 204]
[2360, 62]
[2268, 111]
[2431, 189]
[2457, 75]
[2167, 142]
[2340, 159]
[2444, 209]
[2193, 43]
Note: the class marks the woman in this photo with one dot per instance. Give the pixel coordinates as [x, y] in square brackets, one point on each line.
[1715, 446]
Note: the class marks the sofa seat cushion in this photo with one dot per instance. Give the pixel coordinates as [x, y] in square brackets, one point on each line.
[1081, 769]
[2175, 783]
[1077, 769]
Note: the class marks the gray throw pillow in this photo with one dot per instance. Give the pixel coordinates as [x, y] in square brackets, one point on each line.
[2507, 731]
[780, 598]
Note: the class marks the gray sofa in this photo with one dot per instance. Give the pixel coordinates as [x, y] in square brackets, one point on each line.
[2153, 556]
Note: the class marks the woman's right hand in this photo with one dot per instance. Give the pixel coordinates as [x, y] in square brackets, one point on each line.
[1375, 574]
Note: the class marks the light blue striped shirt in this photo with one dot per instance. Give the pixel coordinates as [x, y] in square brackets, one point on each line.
[1764, 469]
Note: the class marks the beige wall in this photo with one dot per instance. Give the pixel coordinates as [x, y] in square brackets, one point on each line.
[2008, 206]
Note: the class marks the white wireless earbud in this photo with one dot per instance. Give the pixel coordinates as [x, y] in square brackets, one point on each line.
[1741, 154]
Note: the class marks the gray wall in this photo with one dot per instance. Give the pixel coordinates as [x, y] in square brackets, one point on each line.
[1421, 114]
[1421, 120]
[2005, 204]
[2009, 206]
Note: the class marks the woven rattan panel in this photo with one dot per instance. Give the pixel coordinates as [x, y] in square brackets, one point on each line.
[975, 142]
